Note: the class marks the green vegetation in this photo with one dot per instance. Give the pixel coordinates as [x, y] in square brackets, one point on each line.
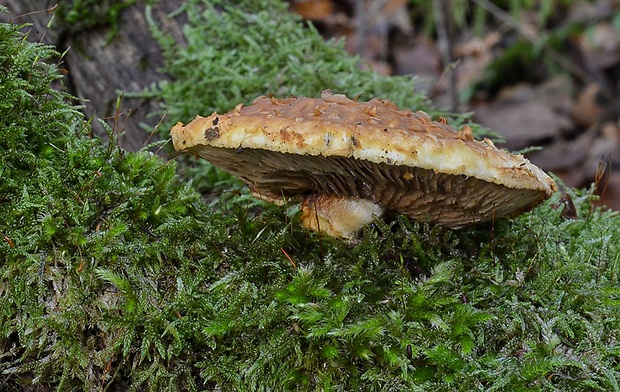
[78, 15]
[116, 275]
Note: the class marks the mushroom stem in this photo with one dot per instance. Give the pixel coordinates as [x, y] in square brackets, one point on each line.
[338, 216]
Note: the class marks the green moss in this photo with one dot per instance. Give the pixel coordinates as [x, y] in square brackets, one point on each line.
[114, 275]
[79, 15]
[75, 213]
[75, 16]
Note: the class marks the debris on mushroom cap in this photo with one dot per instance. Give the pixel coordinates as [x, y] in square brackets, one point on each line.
[347, 161]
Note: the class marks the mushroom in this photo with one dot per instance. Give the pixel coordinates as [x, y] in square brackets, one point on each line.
[348, 162]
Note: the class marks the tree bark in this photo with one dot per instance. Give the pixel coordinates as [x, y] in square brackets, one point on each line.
[100, 69]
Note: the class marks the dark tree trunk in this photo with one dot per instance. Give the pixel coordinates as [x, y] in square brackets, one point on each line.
[100, 68]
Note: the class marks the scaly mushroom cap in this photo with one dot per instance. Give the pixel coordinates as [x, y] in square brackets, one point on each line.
[347, 161]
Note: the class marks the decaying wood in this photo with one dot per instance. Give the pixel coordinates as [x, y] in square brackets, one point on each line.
[100, 68]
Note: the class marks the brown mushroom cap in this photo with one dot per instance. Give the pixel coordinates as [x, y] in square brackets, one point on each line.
[347, 161]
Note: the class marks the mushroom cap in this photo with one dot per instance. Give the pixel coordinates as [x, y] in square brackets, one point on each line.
[342, 149]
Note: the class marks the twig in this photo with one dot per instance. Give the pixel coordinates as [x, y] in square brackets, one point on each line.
[48, 10]
[289, 258]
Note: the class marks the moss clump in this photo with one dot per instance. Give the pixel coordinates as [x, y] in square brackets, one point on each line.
[528, 305]
[91, 241]
[114, 276]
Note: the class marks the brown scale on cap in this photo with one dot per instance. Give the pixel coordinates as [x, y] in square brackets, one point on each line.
[349, 161]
